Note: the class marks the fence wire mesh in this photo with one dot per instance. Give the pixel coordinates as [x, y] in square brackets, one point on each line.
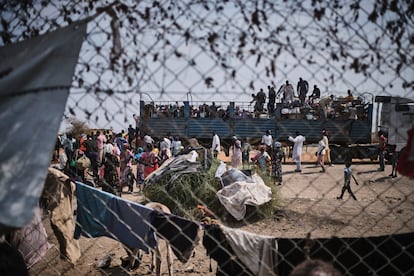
[168, 62]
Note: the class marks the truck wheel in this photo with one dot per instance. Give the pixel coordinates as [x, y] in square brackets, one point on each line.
[339, 154]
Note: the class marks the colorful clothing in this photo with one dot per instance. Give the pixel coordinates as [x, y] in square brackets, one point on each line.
[100, 142]
[277, 157]
[382, 148]
[236, 159]
[264, 161]
[246, 153]
[150, 162]
[111, 177]
[126, 158]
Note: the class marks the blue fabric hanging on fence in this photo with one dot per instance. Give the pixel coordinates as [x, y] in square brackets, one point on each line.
[103, 214]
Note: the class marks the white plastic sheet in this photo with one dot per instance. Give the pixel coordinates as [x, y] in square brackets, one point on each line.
[237, 195]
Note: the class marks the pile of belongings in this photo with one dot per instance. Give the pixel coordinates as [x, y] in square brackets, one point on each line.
[240, 190]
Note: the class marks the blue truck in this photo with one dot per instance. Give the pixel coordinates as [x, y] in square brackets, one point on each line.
[349, 123]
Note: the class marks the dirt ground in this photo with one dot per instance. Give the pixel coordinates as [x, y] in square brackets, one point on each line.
[385, 205]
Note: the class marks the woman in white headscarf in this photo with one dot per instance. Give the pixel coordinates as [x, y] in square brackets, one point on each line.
[215, 146]
[236, 158]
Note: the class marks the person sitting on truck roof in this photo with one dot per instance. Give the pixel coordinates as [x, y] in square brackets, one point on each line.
[349, 97]
[324, 104]
[316, 94]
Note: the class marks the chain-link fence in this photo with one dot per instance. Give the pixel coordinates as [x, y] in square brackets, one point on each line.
[187, 69]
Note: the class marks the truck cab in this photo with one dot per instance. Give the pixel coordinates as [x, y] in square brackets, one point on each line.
[396, 119]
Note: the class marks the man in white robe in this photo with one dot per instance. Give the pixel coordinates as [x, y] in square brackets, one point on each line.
[297, 150]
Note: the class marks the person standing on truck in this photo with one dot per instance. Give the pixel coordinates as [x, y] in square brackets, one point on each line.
[382, 147]
[254, 100]
[302, 89]
[236, 158]
[213, 109]
[215, 145]
[261, 99]
[272, 100]
[288, 92]
[297, 150]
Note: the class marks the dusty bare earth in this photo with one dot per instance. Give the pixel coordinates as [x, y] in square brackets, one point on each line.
[385, 205]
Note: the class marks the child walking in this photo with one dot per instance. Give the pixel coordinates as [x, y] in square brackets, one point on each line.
[347, 181]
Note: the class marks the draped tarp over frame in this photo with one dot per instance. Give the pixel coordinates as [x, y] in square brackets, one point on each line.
[35, 77]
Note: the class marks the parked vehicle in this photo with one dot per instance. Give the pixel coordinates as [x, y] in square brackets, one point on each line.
[350, 123]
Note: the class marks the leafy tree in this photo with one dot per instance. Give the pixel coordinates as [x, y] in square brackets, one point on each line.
[77, 127]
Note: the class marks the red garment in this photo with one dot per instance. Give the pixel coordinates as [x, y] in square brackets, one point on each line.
[150, 162]
[382, 142]
[405, 164]
[82, 147]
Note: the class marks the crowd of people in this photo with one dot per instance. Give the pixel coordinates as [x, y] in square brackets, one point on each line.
[110, 155]
[271, 154]
[314, 104]
[105, 159]
[274, 103]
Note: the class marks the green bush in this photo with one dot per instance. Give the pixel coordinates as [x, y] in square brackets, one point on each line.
[193, 189]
